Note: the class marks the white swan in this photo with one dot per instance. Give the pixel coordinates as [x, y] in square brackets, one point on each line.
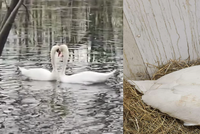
[86, 77]
[40, 73]
[177, 94]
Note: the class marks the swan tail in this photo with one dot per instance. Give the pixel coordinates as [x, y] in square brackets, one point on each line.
[22, 69]
[142, 86]
[113, 73]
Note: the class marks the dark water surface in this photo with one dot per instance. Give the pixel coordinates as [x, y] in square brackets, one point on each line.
[93, 31]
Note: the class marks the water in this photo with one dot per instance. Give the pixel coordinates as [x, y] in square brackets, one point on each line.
[93, 31]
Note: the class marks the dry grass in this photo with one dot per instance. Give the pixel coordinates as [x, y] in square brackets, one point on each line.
[142, 119]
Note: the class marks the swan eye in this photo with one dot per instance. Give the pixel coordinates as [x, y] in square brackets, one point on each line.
[57, 50]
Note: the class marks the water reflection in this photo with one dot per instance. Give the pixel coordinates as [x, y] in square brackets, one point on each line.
[93, 31]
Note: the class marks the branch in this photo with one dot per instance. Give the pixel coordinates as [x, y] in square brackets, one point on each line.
[27, 11]
[7, 7]
[4, 18]
[11, 15]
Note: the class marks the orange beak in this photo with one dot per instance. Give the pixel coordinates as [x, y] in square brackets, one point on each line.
[59, 53]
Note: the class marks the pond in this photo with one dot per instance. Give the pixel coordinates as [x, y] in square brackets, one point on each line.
[93, 31]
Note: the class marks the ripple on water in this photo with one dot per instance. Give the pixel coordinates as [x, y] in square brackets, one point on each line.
[40, 107]
[53, 107]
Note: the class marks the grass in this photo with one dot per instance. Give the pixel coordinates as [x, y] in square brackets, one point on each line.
[140, 118]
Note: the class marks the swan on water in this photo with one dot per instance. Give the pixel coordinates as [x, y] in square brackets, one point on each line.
[86, 77]
[41, 73]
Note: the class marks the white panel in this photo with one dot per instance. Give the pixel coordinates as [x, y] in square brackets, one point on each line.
[164, 30]
[134, 67]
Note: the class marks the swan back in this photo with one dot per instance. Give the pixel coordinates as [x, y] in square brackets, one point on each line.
[37, 74]
[87, 77]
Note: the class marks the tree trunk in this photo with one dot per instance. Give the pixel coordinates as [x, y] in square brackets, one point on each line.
[1, 10]
[8, 22]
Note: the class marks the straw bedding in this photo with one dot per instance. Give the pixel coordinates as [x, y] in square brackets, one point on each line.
[142, 119]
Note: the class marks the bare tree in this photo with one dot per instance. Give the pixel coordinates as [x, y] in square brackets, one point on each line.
[8, 21]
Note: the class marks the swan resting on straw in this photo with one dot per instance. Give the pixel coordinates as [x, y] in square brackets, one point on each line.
[176, 94]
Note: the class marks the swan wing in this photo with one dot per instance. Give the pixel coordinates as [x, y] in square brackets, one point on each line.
[37, 73]
[87, 77]
[180, 101]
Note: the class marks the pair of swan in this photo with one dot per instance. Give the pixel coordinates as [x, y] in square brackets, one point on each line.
[86, 77]
[177, 94]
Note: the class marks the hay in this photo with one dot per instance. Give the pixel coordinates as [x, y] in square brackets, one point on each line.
[142, 119]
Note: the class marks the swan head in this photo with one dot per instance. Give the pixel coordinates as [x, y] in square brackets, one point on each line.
[55, 49]
[64, 50]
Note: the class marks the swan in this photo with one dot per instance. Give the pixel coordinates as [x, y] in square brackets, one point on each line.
[86, 77]
[177, 94]
[40, 73]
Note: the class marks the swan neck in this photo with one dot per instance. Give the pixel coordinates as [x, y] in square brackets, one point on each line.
[65, 60]
[64, 65]
[53, 61]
